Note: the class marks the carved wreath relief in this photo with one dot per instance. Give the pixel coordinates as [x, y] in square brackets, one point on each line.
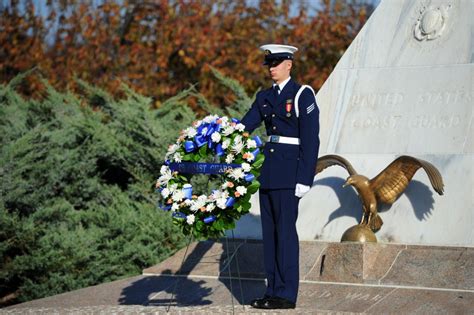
[431, 22]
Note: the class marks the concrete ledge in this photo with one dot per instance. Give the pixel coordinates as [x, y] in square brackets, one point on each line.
[383, 264]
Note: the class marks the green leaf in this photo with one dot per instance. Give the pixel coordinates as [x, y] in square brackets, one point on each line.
[199, 225]
[246, 198]
[253, 187]
[255, 173]
[229, 225]
[258, 161]
[203, 151]
[218, 224]
[246, 206]
[188, 157]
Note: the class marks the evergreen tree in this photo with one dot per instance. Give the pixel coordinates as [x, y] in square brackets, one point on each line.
[77, 175]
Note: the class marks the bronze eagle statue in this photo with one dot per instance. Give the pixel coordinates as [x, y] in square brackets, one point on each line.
[386, 187]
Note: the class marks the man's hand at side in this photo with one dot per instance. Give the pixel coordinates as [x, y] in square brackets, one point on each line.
[301, 190]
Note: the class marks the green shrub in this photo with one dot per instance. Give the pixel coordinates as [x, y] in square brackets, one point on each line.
[77, 175]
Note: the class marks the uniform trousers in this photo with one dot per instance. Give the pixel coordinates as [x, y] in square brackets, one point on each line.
[279, 211]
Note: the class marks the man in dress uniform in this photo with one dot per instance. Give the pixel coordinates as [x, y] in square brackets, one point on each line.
[291, 118]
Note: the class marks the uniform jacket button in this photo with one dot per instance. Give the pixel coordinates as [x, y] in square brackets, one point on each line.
[273, 115]
[271, 150]
[264, 115]
[274, 127]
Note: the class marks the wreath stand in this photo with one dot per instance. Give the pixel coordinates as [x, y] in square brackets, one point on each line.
[226, 265]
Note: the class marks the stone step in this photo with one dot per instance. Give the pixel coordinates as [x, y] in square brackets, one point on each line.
[413, 266]
[209, 295]
[136, 309]
[336, 279]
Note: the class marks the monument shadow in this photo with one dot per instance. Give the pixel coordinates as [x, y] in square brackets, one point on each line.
[350, 205]
[239, 265]
[171, 289]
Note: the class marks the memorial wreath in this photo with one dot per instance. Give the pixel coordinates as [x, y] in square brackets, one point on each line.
[235, 156]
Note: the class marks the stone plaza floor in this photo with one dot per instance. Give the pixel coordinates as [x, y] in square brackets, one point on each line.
[335, 279]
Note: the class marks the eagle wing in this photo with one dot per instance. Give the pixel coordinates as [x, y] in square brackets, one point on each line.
[332, 159]
[393, 180]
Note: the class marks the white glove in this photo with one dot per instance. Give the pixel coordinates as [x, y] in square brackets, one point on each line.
[301, 190]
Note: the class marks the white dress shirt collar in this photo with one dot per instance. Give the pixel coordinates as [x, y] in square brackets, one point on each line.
[282, 84]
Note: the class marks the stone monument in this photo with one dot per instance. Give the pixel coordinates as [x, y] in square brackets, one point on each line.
[403, 87]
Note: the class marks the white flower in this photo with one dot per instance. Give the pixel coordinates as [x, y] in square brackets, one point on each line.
[225, 144]
[164, 169]
[216, 194]
[237, 173]
[173, 187]
[216, 137]
[178, 195]
[210, 118]
[210, 207]
[188, 202]
[165, 192]
[237, 147]
[238, 139]
[195, 205]
[190, 219]
[172, 149]
[204, 131]
[177, 157]
[229, 158]
[174, 207]
[228, 130]
[207, 119]
[246, 167]
[225, 121]
[197, 123]
[221, 203]
[240, 127]
[198, 203]
[251, 144]
[190, 132]
[241, 190]
[250, 157]
[166, 175]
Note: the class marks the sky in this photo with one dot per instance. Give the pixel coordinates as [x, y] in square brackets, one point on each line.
[40, 5]
[42, 8]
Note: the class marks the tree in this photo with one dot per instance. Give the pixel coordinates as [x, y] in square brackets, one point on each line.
[77, 176]
[160, 47]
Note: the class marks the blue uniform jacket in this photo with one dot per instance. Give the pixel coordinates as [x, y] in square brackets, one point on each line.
[286, 165]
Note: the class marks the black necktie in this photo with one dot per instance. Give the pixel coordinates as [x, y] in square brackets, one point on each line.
[276, 90]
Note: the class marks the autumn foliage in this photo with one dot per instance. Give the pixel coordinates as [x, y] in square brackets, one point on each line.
[160, 47]
[77, 169]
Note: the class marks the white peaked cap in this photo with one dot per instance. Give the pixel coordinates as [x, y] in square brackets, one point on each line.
[278, 49]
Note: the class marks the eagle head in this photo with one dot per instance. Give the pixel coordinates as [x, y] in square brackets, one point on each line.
[356, 181]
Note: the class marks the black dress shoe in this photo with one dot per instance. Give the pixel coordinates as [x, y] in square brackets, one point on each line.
[277, 303]
[259, 303]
